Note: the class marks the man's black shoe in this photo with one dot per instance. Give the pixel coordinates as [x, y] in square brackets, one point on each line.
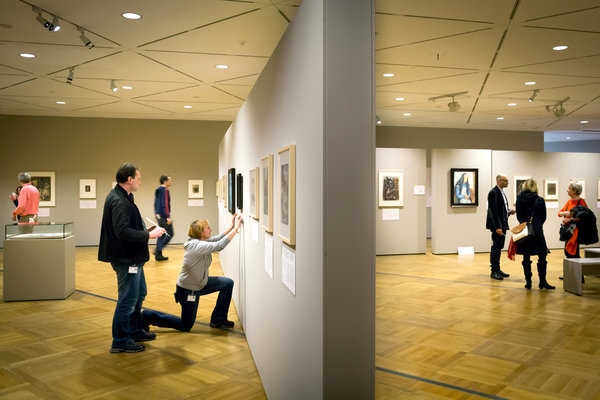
[159, 257]
[144, 336]
[496, 275]
[504, 274]
[222, 324]
[128, 347]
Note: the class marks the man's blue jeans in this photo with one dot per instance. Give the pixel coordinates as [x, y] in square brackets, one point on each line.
[164, 240]
[132, 292]
[188, 299]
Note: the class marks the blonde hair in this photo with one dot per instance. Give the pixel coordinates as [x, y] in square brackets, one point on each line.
[530, 185]
[197, 227]
[576, 188]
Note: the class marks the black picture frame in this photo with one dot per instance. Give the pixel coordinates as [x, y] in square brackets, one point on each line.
[231, 190]
[240, 192]
[464, 187]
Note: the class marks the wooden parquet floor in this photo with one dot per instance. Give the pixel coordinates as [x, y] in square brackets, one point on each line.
[445, 330]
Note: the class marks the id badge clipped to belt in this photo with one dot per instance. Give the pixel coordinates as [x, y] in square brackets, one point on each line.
[133, 269]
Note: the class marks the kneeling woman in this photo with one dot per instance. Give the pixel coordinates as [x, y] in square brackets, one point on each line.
[194, 281]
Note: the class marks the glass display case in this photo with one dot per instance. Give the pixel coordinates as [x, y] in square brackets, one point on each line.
[38, 231]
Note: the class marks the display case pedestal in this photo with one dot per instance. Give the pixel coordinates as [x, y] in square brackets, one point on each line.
[39, 269]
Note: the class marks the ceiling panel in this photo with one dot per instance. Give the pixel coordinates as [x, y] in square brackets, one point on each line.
[530, 12]
[586, 66]
[473, 10]
[199, 93]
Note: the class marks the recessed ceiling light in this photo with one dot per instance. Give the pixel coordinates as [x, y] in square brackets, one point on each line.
[406, 114]
[27, 55]
[130, 15]
[187, 106]
[584, 122]
[222, 66]
[530, 83]
[512, 104]
[388, 75]
[399, 98]
[499, 117]
[379, 122]
[568, 137]
[61, 102]
[560, 47]
[127, 87]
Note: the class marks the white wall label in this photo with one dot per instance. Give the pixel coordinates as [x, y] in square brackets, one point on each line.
[269, 255]
[463, 251]
[419, 190]
[195, 202]
[288, 269]
[87, 203]
[254, 227]
[44, 212]
[552, 204]
[390, 214]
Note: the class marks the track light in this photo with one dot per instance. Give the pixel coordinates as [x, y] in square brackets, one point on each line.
[55, 24]
[535, 92]
[557, 109]
[70, 77]
[113, 87]
[377, 120]
[453, 106]
[86, 41]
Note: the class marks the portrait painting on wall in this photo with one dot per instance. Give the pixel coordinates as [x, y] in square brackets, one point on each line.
[580, 181]
[87, 188]
[231, 190]
[195, 189]
[287, 194]
[254, 190]
[391, 188]
[266, 192]
[551, 189]
[45, 184]
[518, 181]
[464, 187]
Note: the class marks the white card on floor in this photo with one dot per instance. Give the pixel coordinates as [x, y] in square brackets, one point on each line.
[463, 251]
[191, 297]
[133, 270]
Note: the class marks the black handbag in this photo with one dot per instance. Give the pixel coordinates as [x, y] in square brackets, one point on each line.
[566, 232]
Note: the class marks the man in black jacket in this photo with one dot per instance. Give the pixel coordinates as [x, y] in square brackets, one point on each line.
[124, 244]
[497, 222]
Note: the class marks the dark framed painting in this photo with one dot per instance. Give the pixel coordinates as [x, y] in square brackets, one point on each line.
[45, 184]
[231, 190]
[239, 187]
[519, 181]
[266, 192]
[464, 187]
[287, 194]
[254, 189]
[391, 188]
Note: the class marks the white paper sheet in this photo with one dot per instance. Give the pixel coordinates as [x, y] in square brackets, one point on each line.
[87, 203]
[390, 214]
[419, 190]
[195, 202]
[254, 227]
[44, 212]
[463, 251]
[269, 254]
[552, 204]
[288, 269]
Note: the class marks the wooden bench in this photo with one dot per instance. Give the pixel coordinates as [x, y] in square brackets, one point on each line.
[592, 252]
[574, 269]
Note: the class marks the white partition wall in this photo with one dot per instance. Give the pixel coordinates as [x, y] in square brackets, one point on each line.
[313, 340]
[407, 234]
[454, 227]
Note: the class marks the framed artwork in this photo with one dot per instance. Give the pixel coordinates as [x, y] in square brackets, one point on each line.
[598, 192]
[253, 188]
[391, 188]
[575, 180]
[195, 189]
[266, 192]
[287, 194]
[239, 188]
[87, 188]
[231, 190]
[45, 183]
[224, 188]
[519, 180]
[217, 189]
[551, 189]
[464, 187]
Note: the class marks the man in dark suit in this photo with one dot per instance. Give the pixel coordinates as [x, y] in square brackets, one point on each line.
[497, 222]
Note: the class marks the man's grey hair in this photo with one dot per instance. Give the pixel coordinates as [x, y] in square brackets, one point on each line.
[24, 177]
[500, 176]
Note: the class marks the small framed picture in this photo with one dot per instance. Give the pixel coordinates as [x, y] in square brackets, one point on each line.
[45, 184]
[464, 187]
[391, 188]
[266, 192]
[287, 194]
[518, 185]
[582, 183]
[598, 192]
[551, 189]
[87, 188]
[195, 188]
[253, 187]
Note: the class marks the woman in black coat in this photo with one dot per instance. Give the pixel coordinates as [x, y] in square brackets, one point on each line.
[531, 207]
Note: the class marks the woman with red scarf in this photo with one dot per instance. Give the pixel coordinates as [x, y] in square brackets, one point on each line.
[574, 192]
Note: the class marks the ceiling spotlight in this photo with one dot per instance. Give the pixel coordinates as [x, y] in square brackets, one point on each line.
[221, 66]
[388, 75]
[499, 117]
[127, 87]
[406, 114]
[560, 47]
[187, 106]
[512, 104]
[131, 15]
[61, 102]
[84, 39]
[453, 106]
[55, 24]
[530, 83]
[113, 87]
[584, 122]
[557, 109]
[27, 55]
[399, 98]
[45, 23]
[377, 120]
[532, 97]
[70, 77]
